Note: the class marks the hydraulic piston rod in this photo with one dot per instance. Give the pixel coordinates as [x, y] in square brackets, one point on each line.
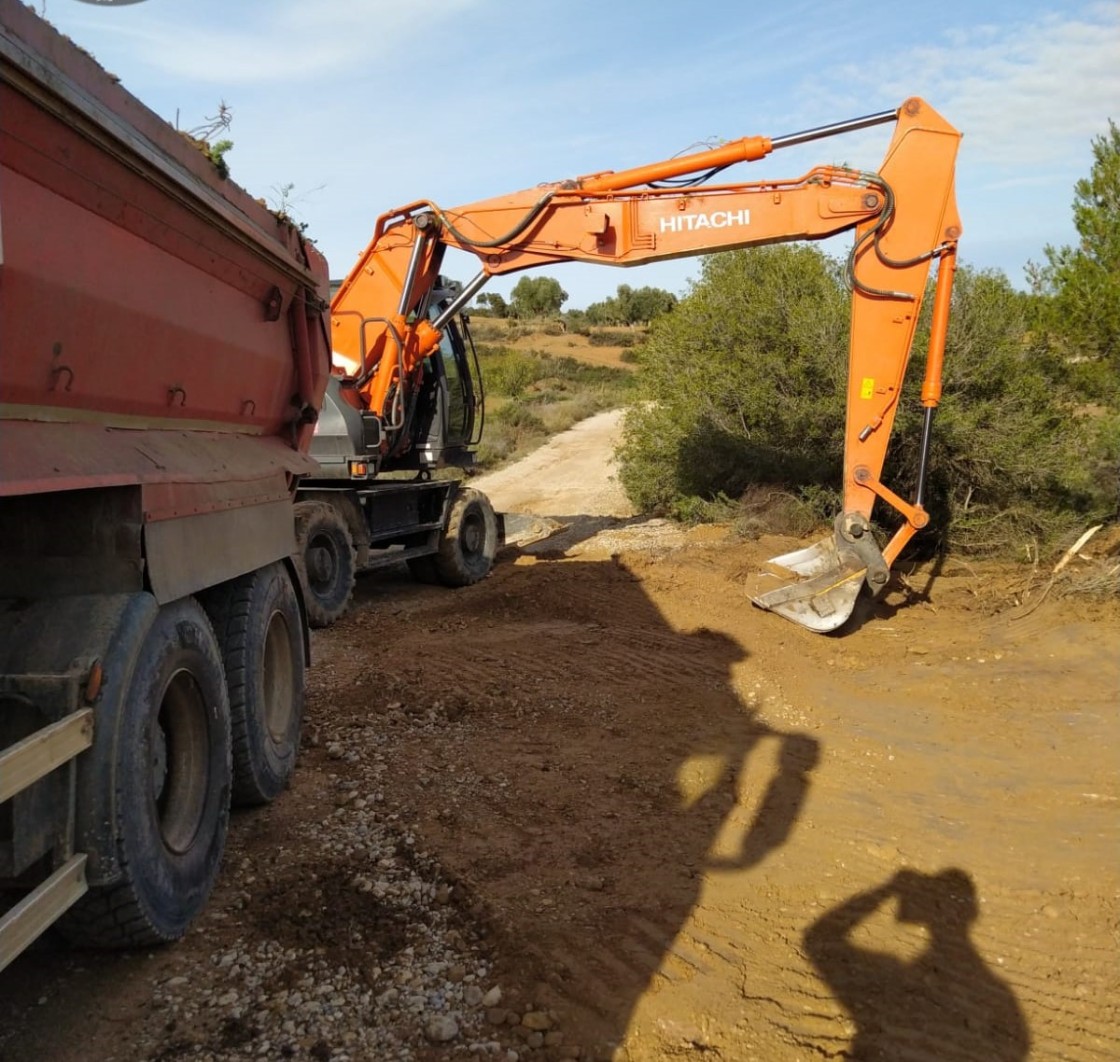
[822, 131]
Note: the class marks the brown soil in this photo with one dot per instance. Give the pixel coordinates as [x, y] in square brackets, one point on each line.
[560, 345]
[693, 829]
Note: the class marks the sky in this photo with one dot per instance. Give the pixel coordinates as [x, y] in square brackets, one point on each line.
[360, 106]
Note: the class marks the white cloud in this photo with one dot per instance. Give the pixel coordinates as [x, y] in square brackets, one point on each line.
[1020, 93]
[287, 40]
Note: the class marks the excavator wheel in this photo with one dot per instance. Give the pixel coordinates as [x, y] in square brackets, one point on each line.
[470, 542]
[325, 549]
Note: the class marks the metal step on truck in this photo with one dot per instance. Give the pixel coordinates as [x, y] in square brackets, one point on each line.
[164, 351]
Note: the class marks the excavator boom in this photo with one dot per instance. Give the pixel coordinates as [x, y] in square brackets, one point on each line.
[903, 215]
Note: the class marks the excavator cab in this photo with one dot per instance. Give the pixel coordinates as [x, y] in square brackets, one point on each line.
[442, 419]
[449, 417]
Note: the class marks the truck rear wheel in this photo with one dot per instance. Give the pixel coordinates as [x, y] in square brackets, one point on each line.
[259, 628]
[172, 788]
[470, 543]
[326, 558]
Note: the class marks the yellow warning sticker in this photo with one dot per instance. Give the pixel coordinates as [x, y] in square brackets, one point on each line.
[867, 388]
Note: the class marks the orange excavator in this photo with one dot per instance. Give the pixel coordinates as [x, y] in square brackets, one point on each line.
[388, 321]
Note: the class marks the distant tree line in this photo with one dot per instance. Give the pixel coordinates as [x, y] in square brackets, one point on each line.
[543, 297]
[631, 306]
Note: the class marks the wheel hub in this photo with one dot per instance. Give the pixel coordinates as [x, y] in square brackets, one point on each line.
[180, 777]
[472, 536]
[320, 565]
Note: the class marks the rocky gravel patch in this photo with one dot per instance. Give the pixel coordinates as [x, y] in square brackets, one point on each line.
[359, 948]
[345, 941]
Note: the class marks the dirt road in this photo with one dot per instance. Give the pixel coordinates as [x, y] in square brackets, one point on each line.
[635, 817]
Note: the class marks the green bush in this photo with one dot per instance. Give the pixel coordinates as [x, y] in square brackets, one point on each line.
[742, 381]
[771, 510]
[514, 374]
[512, 430]
[506, 372]
[532, 396]
[1016, 455]
[610, 338]
[743, 387]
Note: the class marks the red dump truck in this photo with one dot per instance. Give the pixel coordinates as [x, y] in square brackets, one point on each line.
[164, 348]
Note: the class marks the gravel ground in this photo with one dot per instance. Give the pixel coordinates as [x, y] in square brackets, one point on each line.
[380, 956]
[344, 942]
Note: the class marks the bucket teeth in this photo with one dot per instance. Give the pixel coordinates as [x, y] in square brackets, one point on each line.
[821, 603]
[827, 578]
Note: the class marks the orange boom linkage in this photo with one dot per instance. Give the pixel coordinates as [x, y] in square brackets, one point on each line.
[904, 215]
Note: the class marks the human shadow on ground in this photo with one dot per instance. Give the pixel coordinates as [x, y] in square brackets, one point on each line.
[618, 765]
[944, 1002]
[572, 762]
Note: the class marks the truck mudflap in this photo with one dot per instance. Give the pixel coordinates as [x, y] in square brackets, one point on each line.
[59, 657]
[828, 576]
[56, 661]
[147, 803]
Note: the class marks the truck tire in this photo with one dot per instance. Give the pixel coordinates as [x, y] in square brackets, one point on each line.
[326, 561]
[259, 628]
[173, 787]
[470, 542]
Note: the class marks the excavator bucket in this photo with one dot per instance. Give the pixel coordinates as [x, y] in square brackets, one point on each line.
[827, 577]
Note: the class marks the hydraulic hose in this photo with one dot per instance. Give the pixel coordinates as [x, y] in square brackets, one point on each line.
[533, 213]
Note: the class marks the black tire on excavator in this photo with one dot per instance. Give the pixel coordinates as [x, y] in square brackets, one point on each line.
[470, 542]
[325, 549]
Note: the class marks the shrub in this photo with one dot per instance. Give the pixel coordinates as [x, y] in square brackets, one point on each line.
[743, 392]
[1015, 455]
[533, 395]
[743, 381]
[505, 372]
[610, 338]
[511, 430]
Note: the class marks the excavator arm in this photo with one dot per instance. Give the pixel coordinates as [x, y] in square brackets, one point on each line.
[903, 215]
